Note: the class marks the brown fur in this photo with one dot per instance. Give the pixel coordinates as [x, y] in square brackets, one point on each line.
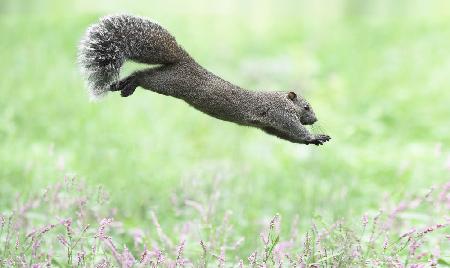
[282, 114]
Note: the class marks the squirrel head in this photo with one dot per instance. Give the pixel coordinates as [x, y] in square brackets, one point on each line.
[302, 108]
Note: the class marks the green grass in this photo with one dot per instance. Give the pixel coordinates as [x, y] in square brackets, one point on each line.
[377, 76]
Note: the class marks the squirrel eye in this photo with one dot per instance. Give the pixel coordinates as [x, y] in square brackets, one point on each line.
[306, 107]
[292, 96]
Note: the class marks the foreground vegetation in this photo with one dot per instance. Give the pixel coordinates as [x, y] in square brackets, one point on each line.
[69, 224]
[376, 74]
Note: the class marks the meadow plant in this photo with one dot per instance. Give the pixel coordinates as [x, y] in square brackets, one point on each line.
[71, 224]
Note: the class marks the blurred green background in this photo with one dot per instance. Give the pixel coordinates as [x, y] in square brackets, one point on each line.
[376, 72]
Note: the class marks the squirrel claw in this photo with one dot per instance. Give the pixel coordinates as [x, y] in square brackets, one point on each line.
[127, 91]
[125, 86]
[117, 86]
[320, 139]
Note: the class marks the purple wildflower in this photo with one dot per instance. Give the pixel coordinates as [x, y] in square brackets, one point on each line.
[127, 258]
[180, 250]
[101, 229]
[444, 195]
[47, 228]
[145, 257]
[35, 246]
[17, 241]
[108, 241]
[68, 224]
[421, 255]
[385, 243]
[283, 246]
[275, 223]
[436, 252]
[159, 256]
[252, 258]
[2, 220]
[203, 246]
[364, 220]
[102, 264]
[160, 231]
[413, 247]
[433, 262]
[408, 233]
[221, 257]
[355, 253]
[62, 240]
[80, 257]
[433, 228]
[138, 237]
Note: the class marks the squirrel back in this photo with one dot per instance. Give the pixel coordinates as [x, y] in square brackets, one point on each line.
[117, 38]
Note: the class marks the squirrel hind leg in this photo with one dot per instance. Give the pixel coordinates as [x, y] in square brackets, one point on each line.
[128, 90]
[126, 86]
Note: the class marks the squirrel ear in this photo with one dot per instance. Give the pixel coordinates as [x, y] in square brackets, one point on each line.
[292, 96]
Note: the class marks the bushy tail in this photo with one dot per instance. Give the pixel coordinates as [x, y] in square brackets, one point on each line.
[115, 39]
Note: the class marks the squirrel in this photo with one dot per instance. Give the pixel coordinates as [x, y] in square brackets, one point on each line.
[107, 44]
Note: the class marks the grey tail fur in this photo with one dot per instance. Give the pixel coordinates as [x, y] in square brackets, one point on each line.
[115, 39]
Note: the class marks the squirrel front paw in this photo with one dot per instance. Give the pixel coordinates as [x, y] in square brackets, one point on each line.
[126, 86]
[320, 139]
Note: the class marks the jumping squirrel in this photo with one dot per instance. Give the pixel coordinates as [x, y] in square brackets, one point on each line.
[115, 39]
